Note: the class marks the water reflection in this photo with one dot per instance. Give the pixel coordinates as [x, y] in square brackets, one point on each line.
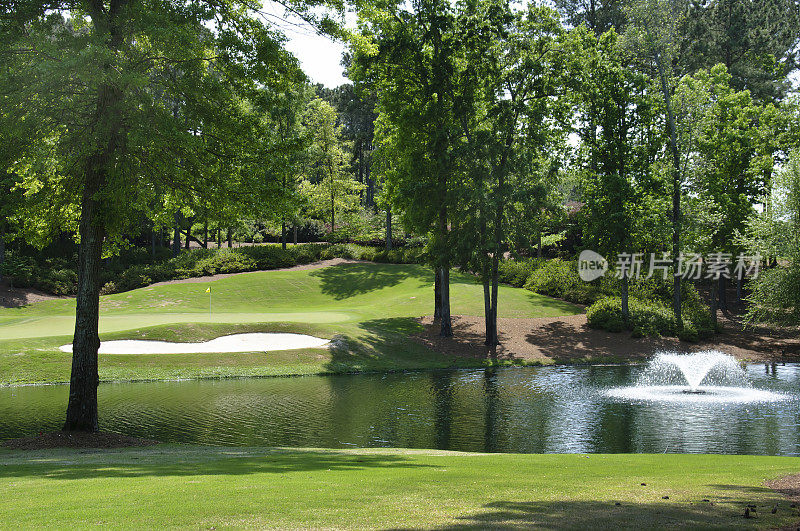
[554, 409]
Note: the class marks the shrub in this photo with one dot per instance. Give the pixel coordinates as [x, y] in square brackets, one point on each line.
[517, 272]
[559, 278]
[553, 278]
[652, 318]
[606, 314]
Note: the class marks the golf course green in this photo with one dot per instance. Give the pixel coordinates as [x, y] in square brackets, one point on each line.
[371, 308]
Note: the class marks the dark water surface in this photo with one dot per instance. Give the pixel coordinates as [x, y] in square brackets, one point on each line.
[536, 409]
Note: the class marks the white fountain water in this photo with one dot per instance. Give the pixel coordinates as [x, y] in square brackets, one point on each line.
[708, 376]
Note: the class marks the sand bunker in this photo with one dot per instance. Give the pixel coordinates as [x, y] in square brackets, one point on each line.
[257, 342]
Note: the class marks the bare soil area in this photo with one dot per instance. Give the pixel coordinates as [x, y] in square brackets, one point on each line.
[11, 297]
[67, 439]
[570, 340]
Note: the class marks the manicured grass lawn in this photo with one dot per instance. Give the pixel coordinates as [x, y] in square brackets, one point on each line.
[371, 306]
[201, 487]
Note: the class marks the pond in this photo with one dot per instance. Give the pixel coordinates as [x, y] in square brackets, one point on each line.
[531, 409]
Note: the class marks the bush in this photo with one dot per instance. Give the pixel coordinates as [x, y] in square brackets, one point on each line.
[651, 318]
[517, 272]
[58, 277]
[606, 314]
[53, 275]
[559, 278]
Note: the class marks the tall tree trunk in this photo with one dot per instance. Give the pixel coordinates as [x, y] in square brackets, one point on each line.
[388, 229]
[739, 291]
[205, 235]
[723, 298]
[188, 235]
[446, 329]
[294, 230]
[333, 210]
[283, 234]
[487, 303]
[676, 193]
[176, 237]
[2, 253]
[219, 237]
[495, 340]
[437, 295]
[82, 407]
[230, 237]
[539, 245]
[153, 234]
[625, 310]
[714, 302]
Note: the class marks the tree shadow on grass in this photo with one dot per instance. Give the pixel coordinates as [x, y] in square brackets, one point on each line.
[592, 514]
[388, 346]
[155, 462]
[347, 280]
[385, 346]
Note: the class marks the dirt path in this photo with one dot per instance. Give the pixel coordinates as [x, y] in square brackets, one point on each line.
[301, 267]
[570, 340]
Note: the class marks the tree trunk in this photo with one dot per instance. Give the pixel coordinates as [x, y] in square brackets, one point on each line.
[176, 238]
[487, 304]
[283, 234]
[230, 238]
[188, 235]
[446, 329]
[437, 295]
[333, 213]
[723, 298]
[82, 407]
[676, 194]
[219, 237]
[294, 229]
[495, 340]
[2, 253]
[739, 291]
[539, 245]
[153, 244]
[205, 235]
[625, 310]
[714, 302]
[388, 229]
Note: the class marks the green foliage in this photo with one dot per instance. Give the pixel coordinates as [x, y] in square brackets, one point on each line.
[650, 318]
[328, 185]
[517, 272]
[606, 314]
[58, 276]
[559, 278]
[775, 234]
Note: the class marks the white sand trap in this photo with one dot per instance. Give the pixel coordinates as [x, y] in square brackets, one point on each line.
[257, 342]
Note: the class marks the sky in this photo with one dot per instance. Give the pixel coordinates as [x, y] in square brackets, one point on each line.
[319, 56]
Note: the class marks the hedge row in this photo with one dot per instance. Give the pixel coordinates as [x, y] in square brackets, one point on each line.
[649, 303]
[60, 277]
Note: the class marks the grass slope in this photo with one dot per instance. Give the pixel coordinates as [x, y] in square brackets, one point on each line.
[213, 487]
[372, 306]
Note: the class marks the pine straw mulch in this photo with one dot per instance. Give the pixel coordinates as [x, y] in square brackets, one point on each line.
[570, 340]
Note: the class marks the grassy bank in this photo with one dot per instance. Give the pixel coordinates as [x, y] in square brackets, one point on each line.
[369, 308]
[214, 487]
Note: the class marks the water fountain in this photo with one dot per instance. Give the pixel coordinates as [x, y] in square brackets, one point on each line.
[708, 376]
